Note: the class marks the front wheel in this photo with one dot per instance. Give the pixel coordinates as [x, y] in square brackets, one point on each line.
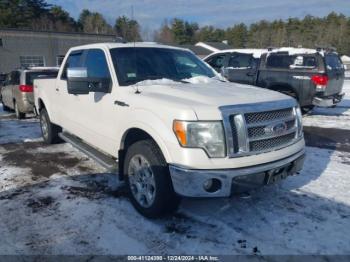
[148, 180]
[49, 130]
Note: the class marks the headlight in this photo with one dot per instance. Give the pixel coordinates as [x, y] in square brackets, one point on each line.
[206, 135]
[300, 120]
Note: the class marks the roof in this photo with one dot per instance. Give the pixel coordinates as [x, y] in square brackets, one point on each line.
[255, 52]
[110, 45]
[213, 46]
[294, 51]
[198, 50]
[345, 58]
[218, 45]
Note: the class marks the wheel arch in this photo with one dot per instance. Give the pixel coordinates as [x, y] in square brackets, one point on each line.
[135, 134]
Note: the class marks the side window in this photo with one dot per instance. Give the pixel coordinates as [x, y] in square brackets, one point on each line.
[216, 61]
[74, 60]
[14, 78]
[280, 61]
[241, 61]
[304, 62]
[333, 62]
[96, 64]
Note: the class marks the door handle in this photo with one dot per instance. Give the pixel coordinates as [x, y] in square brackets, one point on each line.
[57, 89]
[120, 103]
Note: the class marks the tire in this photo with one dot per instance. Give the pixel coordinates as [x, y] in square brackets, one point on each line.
[19, 115]
[153, 180]
[49, 130]
[6, 108]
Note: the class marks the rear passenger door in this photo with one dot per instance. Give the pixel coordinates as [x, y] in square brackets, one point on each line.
[241, 68]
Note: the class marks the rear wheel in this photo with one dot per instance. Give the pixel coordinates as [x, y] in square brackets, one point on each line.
[19, 114]
[6, 108]
[148, 180]
[49, 130]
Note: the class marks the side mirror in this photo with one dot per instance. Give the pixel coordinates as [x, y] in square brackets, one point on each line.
[79, 83]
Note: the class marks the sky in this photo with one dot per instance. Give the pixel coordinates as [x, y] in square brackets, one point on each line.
[219, 13]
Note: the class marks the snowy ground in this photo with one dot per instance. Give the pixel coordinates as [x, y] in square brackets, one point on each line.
[54, 200]
[338, 117]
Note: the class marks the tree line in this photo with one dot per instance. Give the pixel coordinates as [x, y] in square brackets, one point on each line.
[332, 30]
[39, 15]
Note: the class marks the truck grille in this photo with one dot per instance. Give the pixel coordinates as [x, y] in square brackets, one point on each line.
[263, 131]
[268, 116]
[271, 143]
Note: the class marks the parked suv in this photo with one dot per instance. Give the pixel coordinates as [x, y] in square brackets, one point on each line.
[2, 81]
[173, 126]
[313, 77]
[17, 92]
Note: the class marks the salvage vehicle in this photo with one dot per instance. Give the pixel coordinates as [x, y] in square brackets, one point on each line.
[314, 77]
[17, 92]
[169, 125]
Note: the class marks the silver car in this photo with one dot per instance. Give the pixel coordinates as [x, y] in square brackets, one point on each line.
[17, 91]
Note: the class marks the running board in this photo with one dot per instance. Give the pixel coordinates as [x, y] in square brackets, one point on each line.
[104, 160]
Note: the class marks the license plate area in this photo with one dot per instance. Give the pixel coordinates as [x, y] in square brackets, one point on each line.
[277, 174]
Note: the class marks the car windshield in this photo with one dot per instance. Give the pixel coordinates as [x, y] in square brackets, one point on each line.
[136, 64]
[30, 76]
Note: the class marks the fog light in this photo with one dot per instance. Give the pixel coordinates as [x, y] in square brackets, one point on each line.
[212, 185]
[207, 184]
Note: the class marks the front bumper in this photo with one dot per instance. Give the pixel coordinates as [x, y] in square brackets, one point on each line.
[328, 101]
[190, 182]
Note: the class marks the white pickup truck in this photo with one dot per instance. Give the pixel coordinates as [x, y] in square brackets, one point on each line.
[169, 124]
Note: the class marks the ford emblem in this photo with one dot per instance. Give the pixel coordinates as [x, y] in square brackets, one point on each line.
[276, 129]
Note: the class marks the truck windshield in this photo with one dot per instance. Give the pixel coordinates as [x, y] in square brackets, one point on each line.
[135, 64]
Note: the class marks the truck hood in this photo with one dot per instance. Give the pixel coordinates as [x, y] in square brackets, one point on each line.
[206, 98]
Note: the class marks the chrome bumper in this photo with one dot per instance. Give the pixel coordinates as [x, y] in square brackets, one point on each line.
[190, 182]
[328, 101]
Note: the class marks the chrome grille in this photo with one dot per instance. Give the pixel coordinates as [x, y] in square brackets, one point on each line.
[258, 128]
[259, 131]
[276, 142]
[268, 116]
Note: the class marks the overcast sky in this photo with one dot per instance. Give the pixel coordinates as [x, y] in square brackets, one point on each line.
[220, 13]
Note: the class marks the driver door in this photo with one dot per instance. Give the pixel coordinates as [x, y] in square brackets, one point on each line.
[242, 68]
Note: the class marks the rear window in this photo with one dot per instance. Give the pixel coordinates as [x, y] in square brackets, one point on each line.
[292, 61]
[333, 62]
[30, 76]
[279, 61]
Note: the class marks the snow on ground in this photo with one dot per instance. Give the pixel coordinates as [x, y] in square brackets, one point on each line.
[12, 130]
[54, 200]
[338, 117]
